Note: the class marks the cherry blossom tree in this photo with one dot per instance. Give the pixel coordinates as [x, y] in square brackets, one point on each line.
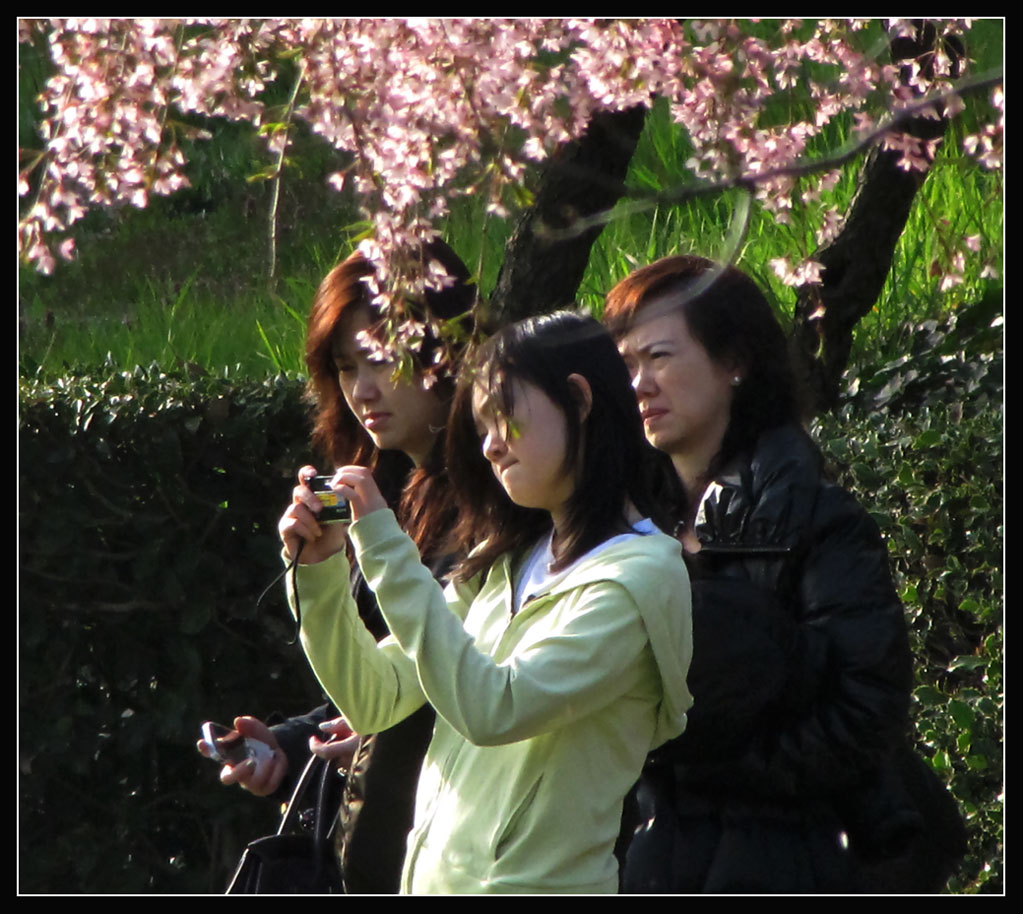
[423, 111]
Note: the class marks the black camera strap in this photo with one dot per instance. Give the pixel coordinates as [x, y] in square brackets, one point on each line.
[294, 589]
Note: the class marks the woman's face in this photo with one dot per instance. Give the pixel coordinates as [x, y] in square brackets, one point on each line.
[685, 396]
[527, 449]
[399, 414]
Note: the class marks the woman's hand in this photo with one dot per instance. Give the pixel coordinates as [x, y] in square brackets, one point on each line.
[299, 523]
[359, 487]
[259, 777]
[341, 745]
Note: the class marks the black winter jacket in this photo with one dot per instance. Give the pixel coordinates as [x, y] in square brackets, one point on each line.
[801, 678]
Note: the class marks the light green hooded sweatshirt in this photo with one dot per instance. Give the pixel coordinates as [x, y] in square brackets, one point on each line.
[544, 716]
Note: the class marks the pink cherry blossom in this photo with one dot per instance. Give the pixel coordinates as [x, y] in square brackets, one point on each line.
[424, 110]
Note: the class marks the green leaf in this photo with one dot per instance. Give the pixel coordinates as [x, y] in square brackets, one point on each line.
[968, 662]
[266, 174]
[961, 713]
[866, 474]
[928, 696]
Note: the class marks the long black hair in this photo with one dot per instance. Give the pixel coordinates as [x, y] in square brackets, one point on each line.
[605, 445]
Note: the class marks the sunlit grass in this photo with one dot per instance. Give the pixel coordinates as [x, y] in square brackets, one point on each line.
[185, 281]
[256, 336]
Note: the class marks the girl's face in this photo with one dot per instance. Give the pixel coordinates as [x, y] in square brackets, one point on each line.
[685, 396]
[527, 449]
[399, 414]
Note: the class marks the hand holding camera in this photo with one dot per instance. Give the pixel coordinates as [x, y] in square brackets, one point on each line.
[358, 487]
[321, 507]
[315, 520]
[249, 754]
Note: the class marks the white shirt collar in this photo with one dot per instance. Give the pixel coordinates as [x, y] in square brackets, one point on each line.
[536, 576]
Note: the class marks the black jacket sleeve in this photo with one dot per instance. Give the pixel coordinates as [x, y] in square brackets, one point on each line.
[292, 736]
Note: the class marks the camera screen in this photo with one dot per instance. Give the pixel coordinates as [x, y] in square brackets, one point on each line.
[335, 508]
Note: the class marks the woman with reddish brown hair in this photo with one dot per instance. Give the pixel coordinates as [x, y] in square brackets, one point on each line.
[369, 411]
[346, 428]
[795, 773]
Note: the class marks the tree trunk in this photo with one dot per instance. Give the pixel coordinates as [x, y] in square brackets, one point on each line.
[586, 177]
[857, 261]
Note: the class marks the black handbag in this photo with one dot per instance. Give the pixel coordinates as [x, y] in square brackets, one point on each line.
[300, 858]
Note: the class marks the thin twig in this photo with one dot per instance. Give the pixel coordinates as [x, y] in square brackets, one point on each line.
[276, 193]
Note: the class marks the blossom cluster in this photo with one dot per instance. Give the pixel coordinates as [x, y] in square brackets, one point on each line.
[424, 110]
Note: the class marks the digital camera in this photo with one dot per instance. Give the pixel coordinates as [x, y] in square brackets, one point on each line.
[335, 508]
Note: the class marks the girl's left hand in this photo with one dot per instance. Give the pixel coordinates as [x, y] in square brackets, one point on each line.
[359, 487]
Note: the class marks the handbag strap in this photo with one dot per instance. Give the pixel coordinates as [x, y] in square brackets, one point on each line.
[248, 876]
[314, 767]
[323, 817]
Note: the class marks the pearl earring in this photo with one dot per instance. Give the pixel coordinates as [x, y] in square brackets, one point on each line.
[736, 381]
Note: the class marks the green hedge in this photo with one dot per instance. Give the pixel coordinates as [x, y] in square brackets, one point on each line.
[920, 441]
[148, 509]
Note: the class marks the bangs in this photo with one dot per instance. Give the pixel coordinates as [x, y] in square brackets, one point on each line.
[491, 369]
[528, 353]
[679, 280]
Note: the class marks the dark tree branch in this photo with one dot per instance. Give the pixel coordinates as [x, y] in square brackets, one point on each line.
[642, 200]
[858, 260]
[543, 264]
[903, 121]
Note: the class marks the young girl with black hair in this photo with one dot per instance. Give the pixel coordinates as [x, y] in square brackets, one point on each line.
[556, 657]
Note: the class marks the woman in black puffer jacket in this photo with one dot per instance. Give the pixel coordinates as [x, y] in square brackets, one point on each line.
[795, 773]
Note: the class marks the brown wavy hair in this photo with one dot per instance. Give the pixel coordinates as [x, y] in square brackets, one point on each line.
[421, 495]
[729, 315]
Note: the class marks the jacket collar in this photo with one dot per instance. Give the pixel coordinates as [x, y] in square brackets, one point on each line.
[764, 499]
